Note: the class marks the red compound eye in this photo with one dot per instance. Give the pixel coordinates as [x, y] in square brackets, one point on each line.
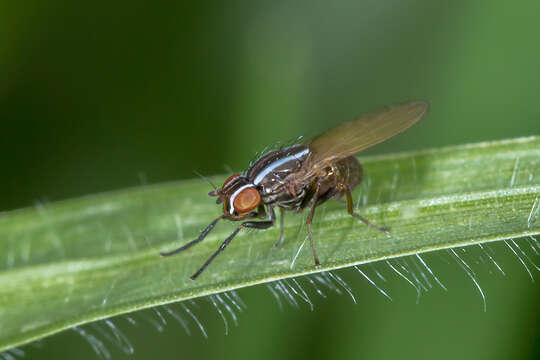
[247, 200]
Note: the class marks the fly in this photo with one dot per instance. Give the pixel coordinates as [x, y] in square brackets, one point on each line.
[306, 175]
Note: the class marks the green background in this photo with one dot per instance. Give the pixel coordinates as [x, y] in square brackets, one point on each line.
[99, 96]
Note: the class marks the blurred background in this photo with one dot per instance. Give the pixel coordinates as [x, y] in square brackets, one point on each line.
[98, 96]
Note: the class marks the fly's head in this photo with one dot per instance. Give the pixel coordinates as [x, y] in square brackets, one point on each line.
[238, 195]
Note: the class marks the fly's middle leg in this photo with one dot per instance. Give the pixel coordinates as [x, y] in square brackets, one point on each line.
[281, 227]
[309, 220]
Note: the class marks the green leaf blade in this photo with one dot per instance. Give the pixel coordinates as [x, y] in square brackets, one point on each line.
[81, 260]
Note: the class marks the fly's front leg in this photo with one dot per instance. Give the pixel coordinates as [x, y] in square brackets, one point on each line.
[198, 240]
[261, 224]
[247, 224]
[261, 212]
[350, 209]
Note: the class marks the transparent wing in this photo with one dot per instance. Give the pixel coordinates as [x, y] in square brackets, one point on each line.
[354, 136]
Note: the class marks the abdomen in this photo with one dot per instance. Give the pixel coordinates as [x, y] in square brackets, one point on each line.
[350, 171]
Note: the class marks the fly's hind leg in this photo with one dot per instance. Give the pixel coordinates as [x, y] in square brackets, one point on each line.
[350, 209]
